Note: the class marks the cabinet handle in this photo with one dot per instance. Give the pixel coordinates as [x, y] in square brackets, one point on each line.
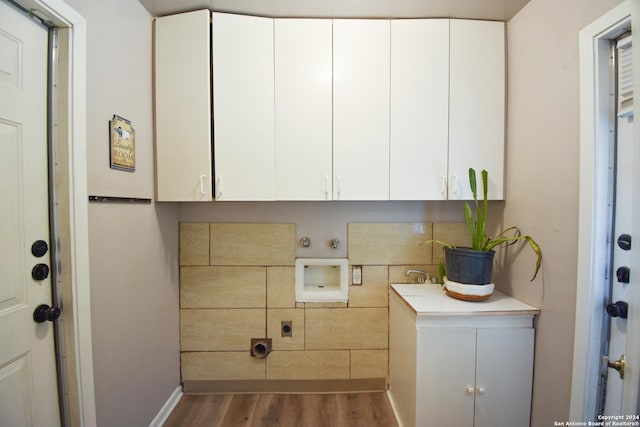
[202, 178]
[454, 185]
[219, 187]
[443, 186]
[481, 390]
[470, 390]
[326, 187]
[338, 184]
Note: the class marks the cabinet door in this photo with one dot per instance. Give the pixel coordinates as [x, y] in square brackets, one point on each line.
[476, 105]
[243, 107]
[303, 109]
[445, 377]
[504, 371]
[183, 107]
[419, 109]
[361, 109]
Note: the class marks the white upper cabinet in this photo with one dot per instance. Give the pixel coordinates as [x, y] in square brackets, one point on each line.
[321, 109]
[476, 106]
[361, 61]
[243, 99]
[419, 109]
[303, 109]
[183, 107]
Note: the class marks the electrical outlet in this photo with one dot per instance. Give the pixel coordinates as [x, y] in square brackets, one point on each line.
[286, 328]
[356, 275]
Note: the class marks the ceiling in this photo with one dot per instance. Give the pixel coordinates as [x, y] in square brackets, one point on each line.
[498, 10]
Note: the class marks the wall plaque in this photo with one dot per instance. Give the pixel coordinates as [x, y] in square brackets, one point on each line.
[122, 153]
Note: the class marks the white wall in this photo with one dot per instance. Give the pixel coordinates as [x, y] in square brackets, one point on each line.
[133, 248]
[542, 182]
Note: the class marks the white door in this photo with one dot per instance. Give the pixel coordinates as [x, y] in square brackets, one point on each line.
[183, 107]
[446, 376]
[361, 76]
[476, 105]
[419, 122]
[623, 223]
[244, 148]
[504, 372]
[303, 109]
[28, 388]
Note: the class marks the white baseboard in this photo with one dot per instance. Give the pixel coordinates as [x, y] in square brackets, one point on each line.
[166, 409]
[395, 410]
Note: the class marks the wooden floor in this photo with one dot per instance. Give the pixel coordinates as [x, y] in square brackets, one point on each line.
[284, 410]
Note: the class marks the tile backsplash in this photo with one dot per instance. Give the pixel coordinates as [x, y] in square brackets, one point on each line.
[237, 282]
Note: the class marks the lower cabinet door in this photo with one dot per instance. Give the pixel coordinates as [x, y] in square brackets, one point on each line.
[445, 376]
[504, 371]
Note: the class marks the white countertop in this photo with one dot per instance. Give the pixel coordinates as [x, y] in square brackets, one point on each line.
[430, 300]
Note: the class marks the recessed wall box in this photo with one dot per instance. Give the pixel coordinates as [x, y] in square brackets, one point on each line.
[322, 280]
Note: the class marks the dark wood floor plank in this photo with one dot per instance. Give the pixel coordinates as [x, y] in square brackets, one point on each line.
[381, 410]
[279, 410]
[321, 410]
[366, 409]
[240, 411]
[267, 411]
[199, 411]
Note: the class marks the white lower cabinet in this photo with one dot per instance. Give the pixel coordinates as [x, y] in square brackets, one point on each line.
[459, 369]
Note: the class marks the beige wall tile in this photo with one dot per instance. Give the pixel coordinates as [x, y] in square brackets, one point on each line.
[308, 365]
[221, 366]
[281, 287]
[389, 244]
[220, 329]
[454, 233]
[223, 287]
[398, 273]
[374, 291]
[369, 363]
[253, 244]
[194, 243]
[348, 328]
[275, 316]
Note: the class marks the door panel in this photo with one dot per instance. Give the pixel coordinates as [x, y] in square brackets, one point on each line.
[419, 109]
[504, 369]
[361, 78]
[476, 105]
[449, 355]
[28, 388]
[16, 399]
[11, 292]
[243, 97]
[303, 109]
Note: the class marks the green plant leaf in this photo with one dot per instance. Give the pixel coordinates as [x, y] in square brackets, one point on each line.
[471, 225]
[502, 238]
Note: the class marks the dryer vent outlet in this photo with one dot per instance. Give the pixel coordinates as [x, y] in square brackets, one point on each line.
[260, 347]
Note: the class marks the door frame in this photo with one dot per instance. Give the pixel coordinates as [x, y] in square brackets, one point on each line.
[593, 226]
[69, 142]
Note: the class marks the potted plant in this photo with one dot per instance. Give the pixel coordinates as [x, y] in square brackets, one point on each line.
[473, 265]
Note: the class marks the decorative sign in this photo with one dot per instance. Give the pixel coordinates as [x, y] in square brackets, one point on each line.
[123, 149]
